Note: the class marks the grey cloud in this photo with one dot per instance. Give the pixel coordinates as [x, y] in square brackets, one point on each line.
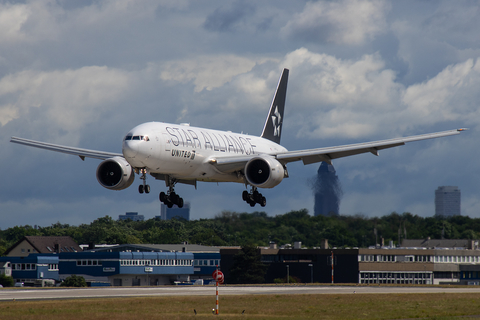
[343, 22]
[230, 18]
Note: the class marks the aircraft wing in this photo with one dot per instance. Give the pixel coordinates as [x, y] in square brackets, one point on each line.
[330, 153]
[82, 153]
[231, 164]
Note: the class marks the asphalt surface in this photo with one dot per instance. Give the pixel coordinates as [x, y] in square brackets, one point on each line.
[109, 292]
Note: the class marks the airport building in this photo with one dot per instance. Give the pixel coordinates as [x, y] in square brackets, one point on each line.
[35, 270]
[127, 268]
[425, 261]
[451, 262]
[204, 259]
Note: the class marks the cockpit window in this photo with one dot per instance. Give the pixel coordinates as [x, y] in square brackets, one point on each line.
[142, 138]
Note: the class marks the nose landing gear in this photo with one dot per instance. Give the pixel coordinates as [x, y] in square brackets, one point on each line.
[254, 197]
[144, 187]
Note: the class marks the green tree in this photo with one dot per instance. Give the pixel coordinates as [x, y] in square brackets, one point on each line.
[247, 266]
[6, 281]
[74, 281]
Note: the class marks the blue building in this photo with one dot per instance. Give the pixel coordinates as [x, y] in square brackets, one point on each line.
[35, 270]
[128, 268]
[175, 212]
[205, 259]
[204, 264]
[134, 216]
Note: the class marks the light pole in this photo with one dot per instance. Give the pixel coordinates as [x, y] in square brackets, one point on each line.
[311, 272]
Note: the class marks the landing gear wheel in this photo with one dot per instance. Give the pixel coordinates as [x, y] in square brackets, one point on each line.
[162, 197]
[254, 197]
[144, 187]
[263, 202]
[171, 198]
[180, 203]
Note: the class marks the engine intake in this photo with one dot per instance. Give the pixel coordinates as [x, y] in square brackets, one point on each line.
[264, 172]
[115, 174]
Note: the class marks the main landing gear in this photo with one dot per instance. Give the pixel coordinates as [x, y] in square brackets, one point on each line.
[144, 187]
[170, 198]
[254, 197]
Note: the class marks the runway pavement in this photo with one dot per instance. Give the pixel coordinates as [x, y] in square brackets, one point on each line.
[108, 292]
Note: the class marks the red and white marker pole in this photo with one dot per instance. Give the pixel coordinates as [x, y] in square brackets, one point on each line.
[332, 267]
[219, 277]
[216, 302]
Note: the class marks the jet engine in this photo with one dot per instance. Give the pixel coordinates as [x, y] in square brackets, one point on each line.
[264, 172]
[115, 174]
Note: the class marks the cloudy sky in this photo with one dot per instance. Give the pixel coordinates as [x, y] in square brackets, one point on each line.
[83, 73]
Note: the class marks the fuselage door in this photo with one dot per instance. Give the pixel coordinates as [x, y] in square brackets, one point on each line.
[168, 141]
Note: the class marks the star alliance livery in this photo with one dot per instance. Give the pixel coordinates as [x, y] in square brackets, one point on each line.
[180, 153]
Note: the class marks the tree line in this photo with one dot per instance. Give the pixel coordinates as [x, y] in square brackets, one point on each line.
[240, 229]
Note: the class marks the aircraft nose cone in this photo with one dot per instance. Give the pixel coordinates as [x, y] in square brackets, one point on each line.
[129, 149]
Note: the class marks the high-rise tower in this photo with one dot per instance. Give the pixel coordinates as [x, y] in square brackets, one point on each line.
[447, 201]
[328, 191]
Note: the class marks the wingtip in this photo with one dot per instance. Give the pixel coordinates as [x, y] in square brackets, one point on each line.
[462, 129]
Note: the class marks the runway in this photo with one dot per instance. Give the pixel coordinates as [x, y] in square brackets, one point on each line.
[7, 294]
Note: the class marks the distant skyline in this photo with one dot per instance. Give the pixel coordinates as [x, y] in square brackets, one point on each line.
[83, 73]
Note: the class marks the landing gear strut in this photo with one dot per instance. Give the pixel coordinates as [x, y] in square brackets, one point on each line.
[254, 197]
[144, 187]
[170, 198]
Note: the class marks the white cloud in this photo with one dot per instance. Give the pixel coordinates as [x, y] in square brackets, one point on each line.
[450, 96]
[350, 22]
[68, 98]
[361, 98]
[341, 98]
[12, 19]
[206, 72]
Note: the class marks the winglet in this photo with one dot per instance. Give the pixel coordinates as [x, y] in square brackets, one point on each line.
[273, 123]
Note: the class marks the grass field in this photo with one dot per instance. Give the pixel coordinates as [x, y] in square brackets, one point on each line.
[351, 306]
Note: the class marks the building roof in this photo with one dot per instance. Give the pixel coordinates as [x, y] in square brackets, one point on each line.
[160, 248]
[44, 244]
[440, 243]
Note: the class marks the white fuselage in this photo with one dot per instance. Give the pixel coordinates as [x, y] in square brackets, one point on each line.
[184, 152]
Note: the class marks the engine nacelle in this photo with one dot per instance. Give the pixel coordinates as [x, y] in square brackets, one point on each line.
[264, 172]
[115, 174]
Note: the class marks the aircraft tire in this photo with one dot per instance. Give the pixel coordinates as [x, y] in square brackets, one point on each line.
[162, 197]
[263, 202]
[140, 188]
[147, 188]
[180, 202]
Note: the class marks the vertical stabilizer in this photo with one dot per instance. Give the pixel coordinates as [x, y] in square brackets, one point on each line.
[273, 124]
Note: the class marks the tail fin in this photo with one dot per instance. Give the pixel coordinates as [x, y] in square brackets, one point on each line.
[274, 122]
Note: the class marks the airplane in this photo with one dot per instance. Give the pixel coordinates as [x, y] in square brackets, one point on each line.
[180, 153]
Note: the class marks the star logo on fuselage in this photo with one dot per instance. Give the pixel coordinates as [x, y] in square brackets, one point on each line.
[277, 122]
